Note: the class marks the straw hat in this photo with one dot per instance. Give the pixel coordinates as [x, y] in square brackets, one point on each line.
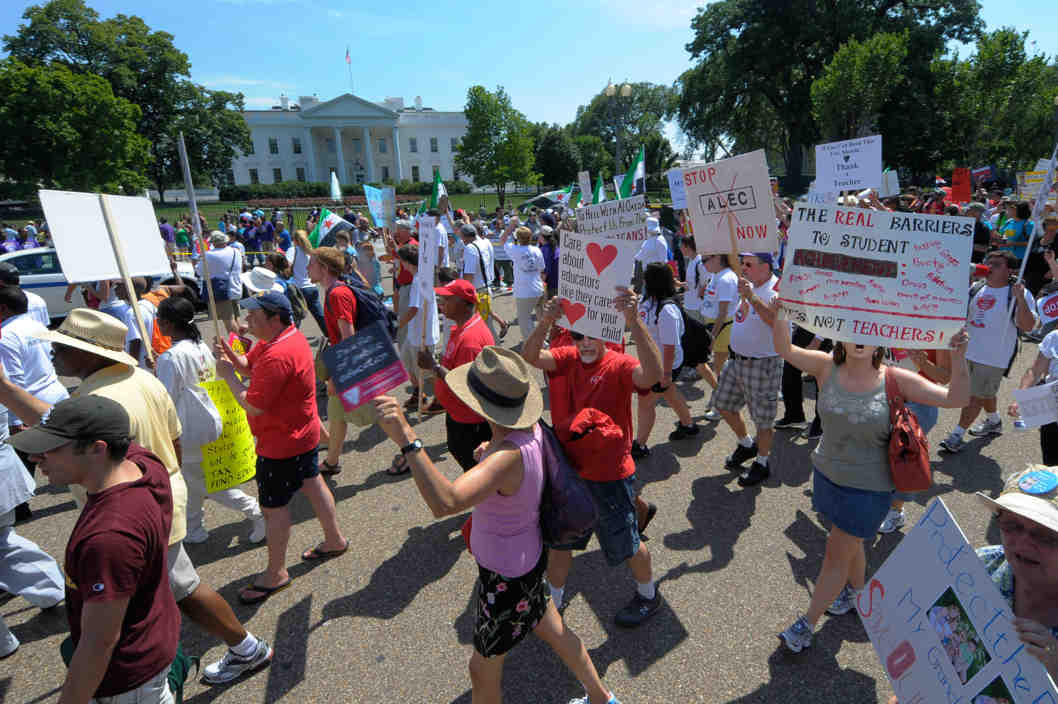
[89, 330]
[1032, 494]
[498, 385]
[260, 279]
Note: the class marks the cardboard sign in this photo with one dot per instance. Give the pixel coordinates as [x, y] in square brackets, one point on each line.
[364, 366]
[732, 191]
[374, 205]
[584, 179]
[83, 244]
[890, 184]
[676, 188]
[232, 458]
[851, 165]
[428, 244]
[877, 278]
[961, 190]
[940, 626]
[1038, 405]
[595, 259]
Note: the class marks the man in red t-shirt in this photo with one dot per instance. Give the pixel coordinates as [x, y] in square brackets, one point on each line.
[280, 405]
[464, 428]
[599, 378]
[124, 621]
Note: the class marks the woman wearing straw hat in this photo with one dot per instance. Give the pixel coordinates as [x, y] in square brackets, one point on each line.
[504, 489]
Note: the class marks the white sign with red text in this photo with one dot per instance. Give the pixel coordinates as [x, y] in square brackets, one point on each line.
[877, 278]
[728, 192]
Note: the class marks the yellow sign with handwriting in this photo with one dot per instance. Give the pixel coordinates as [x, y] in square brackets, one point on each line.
[232, 458]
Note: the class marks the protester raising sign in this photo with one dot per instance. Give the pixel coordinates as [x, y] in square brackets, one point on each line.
[877, 278]
[676, 187]
[732, 194]
[596, 259]
[851, 165]
[941, 627]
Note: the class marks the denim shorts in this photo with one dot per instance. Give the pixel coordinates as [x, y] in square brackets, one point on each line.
[279, 480]
[618, 527]
[858, 512]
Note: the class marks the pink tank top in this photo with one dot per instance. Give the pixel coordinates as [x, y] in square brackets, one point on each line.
[505, 532]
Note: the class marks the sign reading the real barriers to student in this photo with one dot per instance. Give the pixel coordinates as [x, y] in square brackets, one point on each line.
[596, 258]
[940, 626]
[851, 165]
[730, 193]
[231, 459]
[877, 278]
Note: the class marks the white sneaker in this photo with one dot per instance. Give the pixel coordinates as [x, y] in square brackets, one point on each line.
[712, 414]
[987, 427]
[893, 520]
[231, 665]
[258, 532]
[196, 535]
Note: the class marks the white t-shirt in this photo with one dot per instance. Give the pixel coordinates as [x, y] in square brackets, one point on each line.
[38, 309]
[751, 336]
[123, 312]
[299, 267]
[225, 261]
[697, 276]
[27, 360]
[184, 364]
[528, 265]
[653, 249]
[992, 334]
[722, 288]
[478, 250]
[439, 238]
[427, 304]
[666, 328]
[1049, 349]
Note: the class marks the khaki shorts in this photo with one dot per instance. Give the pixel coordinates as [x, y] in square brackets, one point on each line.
[721, 339]
[361, 417]
[227, 309]
[984, 379]
[183, 579]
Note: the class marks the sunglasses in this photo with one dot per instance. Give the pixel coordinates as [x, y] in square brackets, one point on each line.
[1045, 539]
[577, 337]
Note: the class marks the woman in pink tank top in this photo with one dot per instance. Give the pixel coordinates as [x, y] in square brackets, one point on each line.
[504, 489]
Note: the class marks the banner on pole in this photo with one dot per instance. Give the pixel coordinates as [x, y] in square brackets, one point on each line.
[595, 259]
[961, 190]
[877, 278]
[677, 189]
[851, 165]
[232, 458]
[373, 196]
[735, 189]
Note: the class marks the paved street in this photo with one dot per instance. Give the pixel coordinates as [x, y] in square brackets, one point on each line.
[392, 619]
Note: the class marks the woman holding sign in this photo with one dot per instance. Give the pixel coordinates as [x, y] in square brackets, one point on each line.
[852, 486]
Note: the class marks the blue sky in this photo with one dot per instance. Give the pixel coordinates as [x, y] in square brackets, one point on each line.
[550, 56]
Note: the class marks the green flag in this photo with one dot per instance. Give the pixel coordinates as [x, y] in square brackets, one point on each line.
[600, 191]
[635, 181]
[329, 222]
[438, 190]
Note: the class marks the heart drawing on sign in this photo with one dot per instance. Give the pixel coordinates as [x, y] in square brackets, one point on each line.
[573, 311]
[847, 157]
[601, 257]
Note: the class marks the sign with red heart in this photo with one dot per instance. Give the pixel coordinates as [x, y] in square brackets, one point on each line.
[601, 257]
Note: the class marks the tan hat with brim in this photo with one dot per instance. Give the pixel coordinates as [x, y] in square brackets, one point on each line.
[89, 330]
[1032, 494]
[498, 386]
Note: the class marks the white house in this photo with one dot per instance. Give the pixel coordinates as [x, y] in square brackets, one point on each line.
[362, 141]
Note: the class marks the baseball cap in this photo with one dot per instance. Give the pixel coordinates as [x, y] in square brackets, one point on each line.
[81, 418]
[468, 230]
[460, 288]
[763, 256]
[9, 274]
[1032, 493]
[271, 301]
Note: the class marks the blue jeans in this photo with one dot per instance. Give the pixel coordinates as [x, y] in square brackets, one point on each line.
[618, 527]
[312, 299]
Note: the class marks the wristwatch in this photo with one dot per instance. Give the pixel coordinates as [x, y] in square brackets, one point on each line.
[413, 446]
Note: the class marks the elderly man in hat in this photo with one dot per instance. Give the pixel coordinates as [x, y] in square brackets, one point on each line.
[90, 345]
[225, 266]
[754, 370]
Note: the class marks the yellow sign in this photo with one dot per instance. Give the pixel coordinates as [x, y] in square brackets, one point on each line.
[232, 458]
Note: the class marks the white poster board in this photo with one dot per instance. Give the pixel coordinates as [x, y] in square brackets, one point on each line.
[877, 278]
[676, 188]
[595, 259]
[83, 245]
[736, 190]
[851, 165]
[1038, 405]
[584, 179]
[428, 244]
[940, 626]
[890, 184]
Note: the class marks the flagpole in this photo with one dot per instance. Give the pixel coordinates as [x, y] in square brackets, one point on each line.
[349, 67]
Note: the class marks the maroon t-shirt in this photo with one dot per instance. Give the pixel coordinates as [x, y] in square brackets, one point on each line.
[118, 549]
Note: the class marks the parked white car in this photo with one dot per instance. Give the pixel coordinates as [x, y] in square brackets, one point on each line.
[41, 273]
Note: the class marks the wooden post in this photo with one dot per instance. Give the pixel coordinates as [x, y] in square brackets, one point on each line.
[119, 255]
[196, 226]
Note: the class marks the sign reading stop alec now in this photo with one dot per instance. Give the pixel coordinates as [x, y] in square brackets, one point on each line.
[731, 199]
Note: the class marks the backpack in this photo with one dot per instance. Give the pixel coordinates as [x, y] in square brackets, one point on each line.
[567, 508]
[696, 340]
[299, 307]
[908, 446]
[369, 305]
[976, 289]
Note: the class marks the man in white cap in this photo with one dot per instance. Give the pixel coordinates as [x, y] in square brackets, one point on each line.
[655, 248]
[225, 267]
[90, 345]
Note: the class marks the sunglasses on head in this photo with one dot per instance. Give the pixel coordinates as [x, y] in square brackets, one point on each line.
[577, 337]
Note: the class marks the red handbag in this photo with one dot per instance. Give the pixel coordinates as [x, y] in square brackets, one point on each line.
[908, 446]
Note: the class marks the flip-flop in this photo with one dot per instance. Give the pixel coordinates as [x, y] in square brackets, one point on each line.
[329, 470]
[399, 466]
[318, 554]
[263, 592]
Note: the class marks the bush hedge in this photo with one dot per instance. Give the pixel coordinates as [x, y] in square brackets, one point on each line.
[319, 189]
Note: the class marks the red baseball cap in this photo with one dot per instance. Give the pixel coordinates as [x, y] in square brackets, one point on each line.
[460, 288]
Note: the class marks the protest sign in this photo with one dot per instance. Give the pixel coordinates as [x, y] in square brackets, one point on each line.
[232, 458]
[875, 277]
[428, 243]
[851, 165]
[960, 185]
[890, 184]
[731, 194]
[374, 205]
[84, 245]
[389, 206]
[819, 198]
[981, 174]
[595, 259]
[584, 179]
[1038, 405]
[1042, 164]
[940, 626]
[676, 188]
[1047, 308]
[364, 366]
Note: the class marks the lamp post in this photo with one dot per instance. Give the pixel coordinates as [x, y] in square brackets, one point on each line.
[619, 112]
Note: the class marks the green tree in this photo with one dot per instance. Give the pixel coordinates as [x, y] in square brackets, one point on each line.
[557, 160]
[68, 131]
[635, 118]
[497, 148]
[594, 156]
[660, 157]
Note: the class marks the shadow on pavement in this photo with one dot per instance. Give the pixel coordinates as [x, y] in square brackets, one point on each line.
[43, 624]
[719, 512]
[811, 675]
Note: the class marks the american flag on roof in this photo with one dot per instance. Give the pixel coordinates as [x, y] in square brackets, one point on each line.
[347, 59]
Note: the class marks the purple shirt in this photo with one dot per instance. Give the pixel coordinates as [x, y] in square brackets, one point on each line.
[550, 253]
[266, 232]
[168, 232]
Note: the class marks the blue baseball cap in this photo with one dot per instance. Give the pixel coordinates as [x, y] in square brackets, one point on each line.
[765, 257]
[270, 301]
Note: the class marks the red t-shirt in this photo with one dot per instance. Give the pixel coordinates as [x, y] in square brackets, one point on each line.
[283, 385]
[404, 277]
[118, 550]
[464, 345]
[341, 305]
[606, 386]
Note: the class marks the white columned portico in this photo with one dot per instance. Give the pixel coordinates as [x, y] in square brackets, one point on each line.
[341, 155]
[368, 156]
[310, 154]
[399, 172]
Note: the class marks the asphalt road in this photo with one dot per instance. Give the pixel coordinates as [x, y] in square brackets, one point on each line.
[392, 620]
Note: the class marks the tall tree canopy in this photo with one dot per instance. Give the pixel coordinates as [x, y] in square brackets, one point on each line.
[642, 114]
[557, 159]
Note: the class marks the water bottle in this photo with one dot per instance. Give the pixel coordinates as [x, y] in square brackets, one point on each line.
[1019, 424]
